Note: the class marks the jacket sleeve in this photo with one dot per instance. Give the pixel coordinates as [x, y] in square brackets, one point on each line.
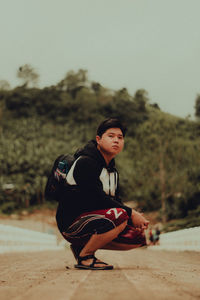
[86, 174]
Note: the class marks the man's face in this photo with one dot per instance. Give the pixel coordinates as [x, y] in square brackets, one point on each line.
[111, 142]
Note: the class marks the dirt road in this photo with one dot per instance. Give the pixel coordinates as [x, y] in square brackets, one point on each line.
[138, 274]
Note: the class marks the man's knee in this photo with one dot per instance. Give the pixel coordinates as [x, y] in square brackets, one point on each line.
[117, 215]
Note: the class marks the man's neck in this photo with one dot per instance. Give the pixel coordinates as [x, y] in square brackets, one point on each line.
[106, 156]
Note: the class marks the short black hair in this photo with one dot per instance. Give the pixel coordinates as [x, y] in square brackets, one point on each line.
[110, 123]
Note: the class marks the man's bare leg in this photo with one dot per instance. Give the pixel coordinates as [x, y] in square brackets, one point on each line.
[98, 241]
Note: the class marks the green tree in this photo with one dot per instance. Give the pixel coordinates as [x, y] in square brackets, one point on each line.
[28, 75]
[96, 87]
[74, 82]
[141, 99]
[122, 94]
[162, 161]
[4, 85]
[197, 106]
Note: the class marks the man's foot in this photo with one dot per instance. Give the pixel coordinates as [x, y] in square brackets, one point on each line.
[90, 262]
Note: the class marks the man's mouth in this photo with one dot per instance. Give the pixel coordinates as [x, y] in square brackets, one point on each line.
[115, 147]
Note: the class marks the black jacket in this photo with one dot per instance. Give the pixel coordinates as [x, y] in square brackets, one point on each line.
[94, 185]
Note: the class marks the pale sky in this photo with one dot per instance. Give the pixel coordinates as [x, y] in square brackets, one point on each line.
[150, 44]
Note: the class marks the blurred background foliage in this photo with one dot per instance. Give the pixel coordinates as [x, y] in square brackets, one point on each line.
[159, 167]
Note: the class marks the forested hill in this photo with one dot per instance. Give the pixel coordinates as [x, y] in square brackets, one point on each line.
[159, 167]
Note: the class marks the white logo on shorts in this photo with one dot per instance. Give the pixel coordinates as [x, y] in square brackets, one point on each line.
[116, 213]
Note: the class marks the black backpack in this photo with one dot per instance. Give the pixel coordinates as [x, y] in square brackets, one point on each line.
[56, 181]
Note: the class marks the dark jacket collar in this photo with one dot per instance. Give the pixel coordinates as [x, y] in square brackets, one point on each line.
[90, 149]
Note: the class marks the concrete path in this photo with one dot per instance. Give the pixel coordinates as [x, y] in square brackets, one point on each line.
[138, 274]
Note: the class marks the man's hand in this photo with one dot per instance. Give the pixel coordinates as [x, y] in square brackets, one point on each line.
[138, 220]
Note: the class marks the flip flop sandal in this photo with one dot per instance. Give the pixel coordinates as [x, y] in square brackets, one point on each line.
[92, 265]
[76, 250]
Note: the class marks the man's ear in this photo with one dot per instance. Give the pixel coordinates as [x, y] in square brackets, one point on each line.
[98, 138]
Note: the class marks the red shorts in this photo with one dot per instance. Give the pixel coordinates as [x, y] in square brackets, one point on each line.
[101, 221]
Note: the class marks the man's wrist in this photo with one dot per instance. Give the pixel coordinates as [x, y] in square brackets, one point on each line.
[133, 212]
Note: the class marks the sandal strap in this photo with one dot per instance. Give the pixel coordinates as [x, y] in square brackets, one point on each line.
[81, 258]
[94, 261]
